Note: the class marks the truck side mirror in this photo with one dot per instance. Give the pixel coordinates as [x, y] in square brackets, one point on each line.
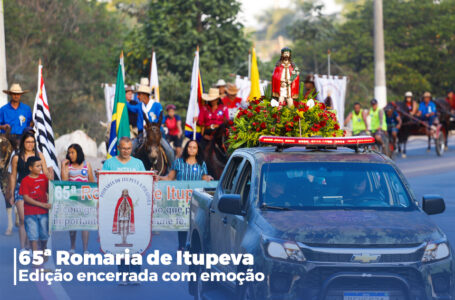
[230, 204]
[433, 204]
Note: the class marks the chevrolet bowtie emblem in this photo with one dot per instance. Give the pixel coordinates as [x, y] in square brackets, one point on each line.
[365, 258]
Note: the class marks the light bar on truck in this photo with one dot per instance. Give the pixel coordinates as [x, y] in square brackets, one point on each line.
[318, 141]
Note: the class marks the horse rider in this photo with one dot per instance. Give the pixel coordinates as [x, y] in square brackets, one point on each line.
[135, 117]
[359, 119]
[15, 115]
[393, 123]
[221, 85]
[232, 102]
[451, 100]
[377, 121]
[411, 105]
[211, 115]
[427, 113]
[152, 110]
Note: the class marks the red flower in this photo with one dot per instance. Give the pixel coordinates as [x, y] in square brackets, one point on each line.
[322, 105]
[274, 116]
[263, 125]
[230, 123]
[336, 126]
[296, 118]
[258, 129]
[322, 123]
[288, 129]
[250, 115]
[254, 123]
[334, 134]
[301, 109]
[257, 109]
[234, 128]
[296, 103]
[250, 107]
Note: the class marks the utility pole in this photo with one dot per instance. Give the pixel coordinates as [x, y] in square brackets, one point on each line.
[3, 82]
[380, 90]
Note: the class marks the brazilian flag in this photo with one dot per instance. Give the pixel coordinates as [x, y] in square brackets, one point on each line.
[120, 123]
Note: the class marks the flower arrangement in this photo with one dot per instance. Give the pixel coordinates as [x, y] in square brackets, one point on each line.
[262, 117]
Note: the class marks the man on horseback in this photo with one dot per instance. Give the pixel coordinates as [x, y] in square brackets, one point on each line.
[427, 113]
[359, 120]
[15, 115]
[135, 117]
[411, 104]
[378, 122]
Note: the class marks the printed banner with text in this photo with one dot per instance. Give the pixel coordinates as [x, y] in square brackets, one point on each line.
[171, 211]
[73, 205]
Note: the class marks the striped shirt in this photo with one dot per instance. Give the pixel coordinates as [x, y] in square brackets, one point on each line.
[75, 174]
[185, 171]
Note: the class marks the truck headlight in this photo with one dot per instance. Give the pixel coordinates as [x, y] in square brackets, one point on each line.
[435, 251]
[285, 250]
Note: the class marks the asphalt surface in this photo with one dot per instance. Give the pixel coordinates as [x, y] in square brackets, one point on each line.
[426, 172]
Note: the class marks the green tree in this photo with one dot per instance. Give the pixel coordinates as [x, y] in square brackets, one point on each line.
[173, 29]
[79, 42]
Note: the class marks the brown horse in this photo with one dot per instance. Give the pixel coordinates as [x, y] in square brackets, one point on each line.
[150, 152]
[215, 152]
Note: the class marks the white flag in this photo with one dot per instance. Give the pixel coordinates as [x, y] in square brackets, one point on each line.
[193, 105]
[43, 126]
[335, 87]
[154, 85]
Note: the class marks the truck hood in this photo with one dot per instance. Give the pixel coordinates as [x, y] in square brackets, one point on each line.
[352, 227]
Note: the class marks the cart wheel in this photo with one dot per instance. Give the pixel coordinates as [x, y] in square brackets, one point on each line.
[439, 144]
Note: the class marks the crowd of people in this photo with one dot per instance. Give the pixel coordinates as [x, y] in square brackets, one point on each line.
[389, 120]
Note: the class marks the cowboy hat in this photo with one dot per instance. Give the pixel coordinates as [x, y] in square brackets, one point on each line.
[129, 88]
[232, 89]
[309, 79]
[15, 89]
[145, 89]
[427, 95]
[170, 106]
[213, 94]
[220, 82]
[408, 94]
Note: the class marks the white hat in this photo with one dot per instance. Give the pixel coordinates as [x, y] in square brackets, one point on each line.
[220, 82]
[144, 81]
[144, 89]
[213, 94]
[15, 89]
[408, 94]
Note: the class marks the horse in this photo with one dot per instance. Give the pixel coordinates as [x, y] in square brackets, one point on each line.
[413, 126]
[151, 151]
[6, 149]
[215, 152]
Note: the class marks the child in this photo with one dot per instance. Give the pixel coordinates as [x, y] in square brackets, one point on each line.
[34, 190]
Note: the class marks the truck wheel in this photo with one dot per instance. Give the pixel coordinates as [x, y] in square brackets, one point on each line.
[200, 286]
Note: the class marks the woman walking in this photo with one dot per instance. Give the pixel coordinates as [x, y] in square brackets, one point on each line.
[75, 168]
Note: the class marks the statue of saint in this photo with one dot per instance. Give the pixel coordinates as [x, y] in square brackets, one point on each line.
[285, 79]
[124, 218]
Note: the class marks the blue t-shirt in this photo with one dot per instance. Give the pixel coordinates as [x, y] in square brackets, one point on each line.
[427, 109]
[392, 121]
[113, 164]
[154, 113]
[185, 171]
[136, 108]
[18, 119]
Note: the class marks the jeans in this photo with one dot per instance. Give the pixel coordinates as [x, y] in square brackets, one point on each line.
[37, 227]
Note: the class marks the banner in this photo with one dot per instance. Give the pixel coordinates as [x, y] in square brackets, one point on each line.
[171, 211]
[73, 205]
[244, 86]
[335, 87]
[125, 211]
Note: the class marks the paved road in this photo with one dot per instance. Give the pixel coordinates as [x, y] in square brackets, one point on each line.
[427, 174]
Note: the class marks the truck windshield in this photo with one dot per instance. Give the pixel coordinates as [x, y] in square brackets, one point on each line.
[304, 185]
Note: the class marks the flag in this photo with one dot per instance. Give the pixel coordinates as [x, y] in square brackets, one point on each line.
[119, 121]
[154, 85]
[195, 101]
[43, 125]
[255, 92]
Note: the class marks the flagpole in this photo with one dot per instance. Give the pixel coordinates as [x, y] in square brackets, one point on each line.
[328, 62]
[197, 87]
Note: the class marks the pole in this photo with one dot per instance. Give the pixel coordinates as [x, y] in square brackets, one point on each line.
[380, 90]
[249, 64]
[3, 78]
[197, 103]
[328, 62]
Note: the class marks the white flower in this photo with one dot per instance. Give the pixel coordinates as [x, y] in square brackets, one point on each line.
[274, 103]
[310, 103]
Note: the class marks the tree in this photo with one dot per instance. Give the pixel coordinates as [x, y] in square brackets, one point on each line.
[79, 43]
[174, 28]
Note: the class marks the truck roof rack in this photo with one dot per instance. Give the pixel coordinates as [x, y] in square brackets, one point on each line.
[282, 142]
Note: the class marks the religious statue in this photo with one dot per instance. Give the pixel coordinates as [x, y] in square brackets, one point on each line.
[124, 218]
[285, 80]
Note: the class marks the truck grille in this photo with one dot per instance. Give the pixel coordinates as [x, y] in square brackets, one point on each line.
[317, 256]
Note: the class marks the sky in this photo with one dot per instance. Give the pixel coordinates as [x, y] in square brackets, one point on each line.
[252, 8]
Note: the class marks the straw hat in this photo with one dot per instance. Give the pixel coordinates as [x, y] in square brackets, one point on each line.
[213, 94]
[15, 89]
[220, 82]
[232, 89]
[427, 95]
[408, 94]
